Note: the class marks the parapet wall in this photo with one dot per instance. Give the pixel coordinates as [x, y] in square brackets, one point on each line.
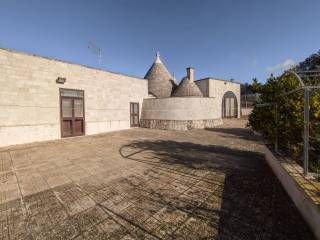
[180, 113]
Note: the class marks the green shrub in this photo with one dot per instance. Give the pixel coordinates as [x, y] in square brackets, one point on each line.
[288, 110]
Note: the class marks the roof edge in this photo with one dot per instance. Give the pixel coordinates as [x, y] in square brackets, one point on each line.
[64, 61]
[218, 79]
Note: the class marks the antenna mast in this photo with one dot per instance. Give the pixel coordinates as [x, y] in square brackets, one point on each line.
[96, 50]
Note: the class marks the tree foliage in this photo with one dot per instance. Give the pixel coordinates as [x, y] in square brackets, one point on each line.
[310, 63]
[285, 118]
[248, 88]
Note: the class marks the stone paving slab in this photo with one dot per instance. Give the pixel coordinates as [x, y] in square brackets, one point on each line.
[145, 184]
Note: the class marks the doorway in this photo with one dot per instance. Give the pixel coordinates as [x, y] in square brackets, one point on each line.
[72, 112]
[134, 114]
[229, 105]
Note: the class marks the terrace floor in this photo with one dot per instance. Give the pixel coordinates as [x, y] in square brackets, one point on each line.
[145, 184]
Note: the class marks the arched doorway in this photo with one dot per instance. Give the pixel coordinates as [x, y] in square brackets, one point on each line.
[229, 105]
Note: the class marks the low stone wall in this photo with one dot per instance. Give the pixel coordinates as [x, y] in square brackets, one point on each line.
[304, 192]
[181, 125]
[180, 113]
[246, 111]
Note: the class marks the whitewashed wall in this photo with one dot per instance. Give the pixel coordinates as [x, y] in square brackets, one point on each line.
[29, 97]
[216, 88]
[180, 108]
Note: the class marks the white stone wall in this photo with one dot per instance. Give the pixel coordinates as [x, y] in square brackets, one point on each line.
[180, 108]
[217, 88]
[29, 97]
[204, 87]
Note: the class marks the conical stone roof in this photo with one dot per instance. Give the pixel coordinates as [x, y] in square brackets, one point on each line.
[160, 81]
[187, 88]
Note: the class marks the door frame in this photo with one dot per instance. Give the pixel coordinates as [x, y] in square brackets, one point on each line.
[138, 124]
[231, 95]
[61, 116]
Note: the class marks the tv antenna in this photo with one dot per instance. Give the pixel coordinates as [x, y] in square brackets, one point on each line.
[96, 50]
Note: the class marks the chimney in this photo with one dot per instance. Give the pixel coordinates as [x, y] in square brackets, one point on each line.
[190, 72]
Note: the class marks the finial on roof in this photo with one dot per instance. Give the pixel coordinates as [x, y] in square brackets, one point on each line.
[158, 57]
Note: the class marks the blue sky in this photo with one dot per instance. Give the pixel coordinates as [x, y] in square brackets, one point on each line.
[226, 39]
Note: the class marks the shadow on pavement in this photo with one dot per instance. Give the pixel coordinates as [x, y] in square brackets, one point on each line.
[245, 199]
[240, 133]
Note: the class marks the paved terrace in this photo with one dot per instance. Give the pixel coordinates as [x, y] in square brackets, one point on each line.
[145, 184]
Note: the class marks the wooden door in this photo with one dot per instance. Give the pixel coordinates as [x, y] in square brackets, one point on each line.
[227, 107]
[230, 107]
[134, 114]
[72, 112]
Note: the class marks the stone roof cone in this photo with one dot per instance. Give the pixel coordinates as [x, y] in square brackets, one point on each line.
[159, 79]
[187, 86]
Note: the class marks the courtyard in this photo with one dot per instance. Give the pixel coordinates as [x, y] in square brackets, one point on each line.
[146, 184]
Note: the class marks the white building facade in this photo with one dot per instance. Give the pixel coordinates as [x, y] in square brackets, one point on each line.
[46, 99]
[34, 106]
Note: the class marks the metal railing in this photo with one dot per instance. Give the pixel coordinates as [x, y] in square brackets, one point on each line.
[306, 112]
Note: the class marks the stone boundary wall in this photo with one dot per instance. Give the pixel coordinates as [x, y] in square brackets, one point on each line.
[179, 124]
[246, 111]
[180, 108]
[300, 189]
[29, 97]
[180, 113]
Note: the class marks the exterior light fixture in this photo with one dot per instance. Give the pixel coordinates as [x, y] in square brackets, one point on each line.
[61, 80]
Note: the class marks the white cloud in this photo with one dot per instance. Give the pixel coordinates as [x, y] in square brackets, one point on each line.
[281, 66]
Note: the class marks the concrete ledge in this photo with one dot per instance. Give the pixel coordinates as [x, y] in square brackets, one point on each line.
[293, 185]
